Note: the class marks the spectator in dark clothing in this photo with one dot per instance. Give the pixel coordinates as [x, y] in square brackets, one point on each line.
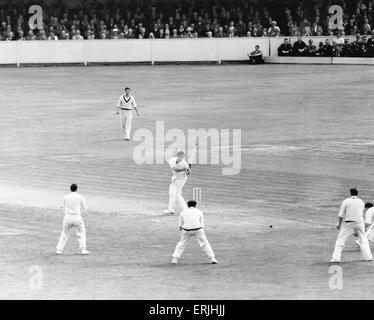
[358, 47]
[300, 48]
[370, 46]
[235, 17]
[255, 57]
[328, 49]
[285, 49]
[346, 49]
[320, 51]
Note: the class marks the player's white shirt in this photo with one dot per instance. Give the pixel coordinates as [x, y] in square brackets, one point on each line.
[73, 203]
[180, 165]
[126, 103]
[369, 215]
[352, 209]
[191, 218]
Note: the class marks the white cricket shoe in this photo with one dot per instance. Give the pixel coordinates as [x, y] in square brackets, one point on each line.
[59, 252]
[85, 252]
[167, 212]
[174, 261]
[334, 261]
[214, 260]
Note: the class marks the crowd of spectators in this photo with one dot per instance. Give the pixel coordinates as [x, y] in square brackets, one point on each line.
[125, 19]
[337, 47]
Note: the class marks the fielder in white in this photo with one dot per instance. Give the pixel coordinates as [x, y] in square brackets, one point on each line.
[351, 212]
[191, 224]
[126, 103]
[180, 169]
[369, 225]
[73, 204]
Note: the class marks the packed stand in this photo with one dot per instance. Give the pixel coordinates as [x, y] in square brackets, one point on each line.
[183, 19]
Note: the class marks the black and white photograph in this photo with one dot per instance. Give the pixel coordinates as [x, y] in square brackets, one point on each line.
[185, 150]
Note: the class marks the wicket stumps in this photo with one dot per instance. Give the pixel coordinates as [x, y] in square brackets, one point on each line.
[196, 195]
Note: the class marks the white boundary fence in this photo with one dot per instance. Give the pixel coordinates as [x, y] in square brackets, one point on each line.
[138, 50]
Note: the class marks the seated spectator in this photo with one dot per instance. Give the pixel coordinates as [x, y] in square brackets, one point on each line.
[274, 30]
[42, 36]
[321, 51]
[339, 43]
[346, 49]
[21, 35]
[358, 47]
[255, 57]
[328, 49]
[300, 48]
[231, 32]
[10, 36]
[312, 49]
[285, 49]
[52, 35]
[316, 28]
[90, 35]
[220, 33]
[366, 29]
[115, 35]
[370, 45]
[31, 36]
[306, 31]
[130, 34]
[143, 35]
[174, 34]
[64, 35]
[77, 35]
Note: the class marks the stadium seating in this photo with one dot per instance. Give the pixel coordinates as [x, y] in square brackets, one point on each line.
[182, 19]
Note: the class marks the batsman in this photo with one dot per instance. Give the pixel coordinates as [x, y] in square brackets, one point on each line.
[180, 169]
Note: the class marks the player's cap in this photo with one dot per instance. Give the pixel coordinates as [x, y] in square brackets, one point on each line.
[127, 88]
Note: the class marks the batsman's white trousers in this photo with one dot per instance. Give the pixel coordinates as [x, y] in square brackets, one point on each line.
[370, 233]
[201, 238]
[176, 200]
[72, 221]
[126, 119]
[351, 228]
